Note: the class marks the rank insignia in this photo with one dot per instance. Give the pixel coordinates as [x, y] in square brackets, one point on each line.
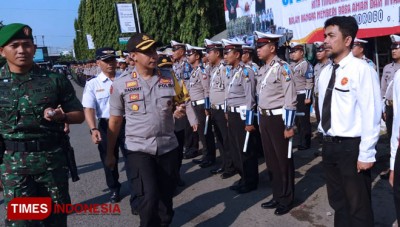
[344, 81]
[100, 90]
[165, 81]
[134, 75]
[135, 107]
[134, 97]
[131, 84]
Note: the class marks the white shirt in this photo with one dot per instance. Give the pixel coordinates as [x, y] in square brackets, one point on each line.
[96, 95]
[394, 141]
[356, 104]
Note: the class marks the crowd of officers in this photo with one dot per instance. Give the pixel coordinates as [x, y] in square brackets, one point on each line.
[227, 102]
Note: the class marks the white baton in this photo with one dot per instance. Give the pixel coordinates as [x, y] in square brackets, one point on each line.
[206, 126]
[246, 141]
[289, 154]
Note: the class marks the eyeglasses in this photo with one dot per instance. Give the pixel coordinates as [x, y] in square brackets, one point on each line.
[176, 48]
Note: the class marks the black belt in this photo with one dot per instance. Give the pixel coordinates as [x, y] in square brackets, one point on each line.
[103, 119]
[338, 139]
[28, 146]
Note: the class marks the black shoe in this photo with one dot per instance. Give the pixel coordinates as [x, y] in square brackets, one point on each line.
[245, 189]
[227, 175]
[318, 153]
[301, 147]
[270, 204]
[198, 161]
[281, 210]
[235, 187]
[216, 171]
[115, 197]
[206, 163]
[191, 154]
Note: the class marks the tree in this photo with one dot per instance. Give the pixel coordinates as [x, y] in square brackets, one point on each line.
[189, 21]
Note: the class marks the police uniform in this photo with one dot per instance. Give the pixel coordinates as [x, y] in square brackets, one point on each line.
[34, 161]
[317, 71]
[183, 128]
[96, 95]
[277, 97]
[199, 89]
[240, 104]
[151, 155]
[386, 85]
[303, 77]
[350, 135]
[394, 144]
[362, 43]
[217, 75]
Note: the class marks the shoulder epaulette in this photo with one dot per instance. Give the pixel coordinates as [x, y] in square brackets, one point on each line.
[90, 78]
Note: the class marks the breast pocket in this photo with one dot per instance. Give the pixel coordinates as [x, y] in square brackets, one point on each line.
[135, 103]
[164, 100]
[102, 98]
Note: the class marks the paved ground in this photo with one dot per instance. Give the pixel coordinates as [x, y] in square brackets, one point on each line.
[207, 201]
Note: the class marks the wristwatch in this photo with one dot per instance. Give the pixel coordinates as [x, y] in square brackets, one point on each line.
[92, 129]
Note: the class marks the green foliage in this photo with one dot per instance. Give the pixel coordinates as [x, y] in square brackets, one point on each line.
[189, 21]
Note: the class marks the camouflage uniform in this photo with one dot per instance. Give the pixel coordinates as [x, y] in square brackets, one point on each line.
[34, 162]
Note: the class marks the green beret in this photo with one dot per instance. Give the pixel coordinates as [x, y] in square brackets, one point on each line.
[14, 31]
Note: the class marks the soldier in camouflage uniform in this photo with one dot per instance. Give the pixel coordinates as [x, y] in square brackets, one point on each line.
[32, 127]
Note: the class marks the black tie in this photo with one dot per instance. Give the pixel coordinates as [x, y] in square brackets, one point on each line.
[326, 107]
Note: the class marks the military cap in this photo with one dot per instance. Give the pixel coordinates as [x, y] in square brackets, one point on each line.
[14, 31]
[193, 49]
[247, 49]
[320, 46]
[265, 38]
[395, 41]
[228, 44]
[359, 42]
[177, 45]
[140, 42]
[212, 45]
[164, 61]
[121, 60]
[105, 53]
[296, 46]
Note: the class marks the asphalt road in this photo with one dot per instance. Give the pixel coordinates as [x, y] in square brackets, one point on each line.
[207, 201]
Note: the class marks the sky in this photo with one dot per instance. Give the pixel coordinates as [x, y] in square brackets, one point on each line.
[52, 21]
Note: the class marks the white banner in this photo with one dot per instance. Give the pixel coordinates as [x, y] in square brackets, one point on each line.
[90, 42]
[126, 17]
[303, 20]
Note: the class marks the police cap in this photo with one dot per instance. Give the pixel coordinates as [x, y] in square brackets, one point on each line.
[140, 42]
[395, 41]
[105, 53]
[265, 38]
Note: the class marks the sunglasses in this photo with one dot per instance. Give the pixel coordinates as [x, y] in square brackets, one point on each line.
[176, 48]
[228, 51]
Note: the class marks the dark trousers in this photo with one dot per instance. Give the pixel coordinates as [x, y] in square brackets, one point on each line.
[180, 136]
[245, 162]
[191, 139]
[396, 185]
[221, 132]
[153, 179]
[389, 119]
[349, 192]
[112, 176]
[280, 168]
[303, 122]
[208, 140]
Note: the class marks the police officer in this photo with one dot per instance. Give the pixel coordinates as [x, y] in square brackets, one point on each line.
[394, 178]
[303, 79]
[358, 51]
[32, 127]
[387, 77]
[239, 108]
[146, 98]
[322, 62]
[199, 89]
[277, 97]
[350, 122]
[217, 74]
[247, 57]
[183, 128]
[95, 100]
